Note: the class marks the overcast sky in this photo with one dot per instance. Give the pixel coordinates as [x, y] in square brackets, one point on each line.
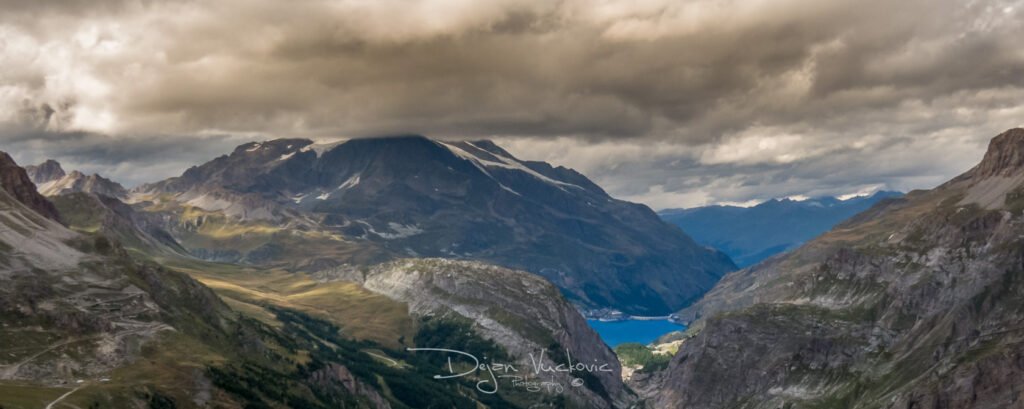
[670, 103]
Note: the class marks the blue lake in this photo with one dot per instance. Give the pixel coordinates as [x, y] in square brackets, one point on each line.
[641, 331]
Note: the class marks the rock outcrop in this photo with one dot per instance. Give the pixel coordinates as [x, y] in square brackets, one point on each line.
[78, 182]
[16, 182]
[45, 172]
[519, 311]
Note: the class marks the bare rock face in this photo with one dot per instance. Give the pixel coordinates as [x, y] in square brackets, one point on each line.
[1004, 157]
[917, 302]
[45, 172]
[16, 182]
[519, 311]
[335, 374]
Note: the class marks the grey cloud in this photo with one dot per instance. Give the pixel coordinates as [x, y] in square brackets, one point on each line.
[131, 160]
[862, 86]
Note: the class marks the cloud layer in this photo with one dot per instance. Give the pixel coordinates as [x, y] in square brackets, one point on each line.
[671, 103]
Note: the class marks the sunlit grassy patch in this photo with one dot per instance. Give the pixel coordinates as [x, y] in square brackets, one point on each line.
[22, 396]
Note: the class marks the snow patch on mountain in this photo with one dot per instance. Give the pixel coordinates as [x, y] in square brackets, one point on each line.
[320, 148]
[400, 231]
[504, 163]
[350, 183]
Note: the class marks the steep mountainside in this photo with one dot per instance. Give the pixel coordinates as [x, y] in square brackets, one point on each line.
[370, 200]
[915, 303]
[112, 218]
[15, 182]
[84, 325]
[751, 234]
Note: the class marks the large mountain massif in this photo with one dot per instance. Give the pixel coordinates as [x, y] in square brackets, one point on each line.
[89, 318]
[751, 234]
[916, 303]
[291, 204]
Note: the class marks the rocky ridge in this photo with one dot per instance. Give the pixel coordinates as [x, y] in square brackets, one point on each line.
[519, 311]
[914, 303]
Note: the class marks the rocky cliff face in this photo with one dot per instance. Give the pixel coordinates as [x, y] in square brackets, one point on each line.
[519, 311]
[915, 303]
[412, 196]
[16, 182]
[1005, 156]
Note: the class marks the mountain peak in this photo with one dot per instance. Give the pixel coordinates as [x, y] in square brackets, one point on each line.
[45, 172]
[16, 182]
[1004, 157]
[77, 181]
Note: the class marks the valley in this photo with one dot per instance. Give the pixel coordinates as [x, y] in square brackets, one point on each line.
[522, 204]
[163, 299]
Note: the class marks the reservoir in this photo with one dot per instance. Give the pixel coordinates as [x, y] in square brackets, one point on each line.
[641, 331]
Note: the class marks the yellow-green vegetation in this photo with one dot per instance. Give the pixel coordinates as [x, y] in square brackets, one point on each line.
[360, 313]
[20, 343]
[668, 348]
[251, 310]
[23, 396]
[279, 244]
[634, 354]
[168, 364]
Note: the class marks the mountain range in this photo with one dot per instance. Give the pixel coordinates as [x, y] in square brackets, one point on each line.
[291, 204]
[252, 281]
[51, 180]
[316, 266]
[915, 303]
[92, 314]
[751, 234]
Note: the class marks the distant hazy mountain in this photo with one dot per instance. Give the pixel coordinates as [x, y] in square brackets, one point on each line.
[290, 203]
[51, 180]
[45, 172]
[751, 234]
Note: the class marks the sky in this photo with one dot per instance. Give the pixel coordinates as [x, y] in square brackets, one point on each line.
[665, 102]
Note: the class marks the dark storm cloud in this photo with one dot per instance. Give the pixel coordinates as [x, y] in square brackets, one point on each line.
[661, 101]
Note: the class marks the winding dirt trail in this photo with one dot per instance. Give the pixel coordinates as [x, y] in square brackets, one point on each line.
[56, 401]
